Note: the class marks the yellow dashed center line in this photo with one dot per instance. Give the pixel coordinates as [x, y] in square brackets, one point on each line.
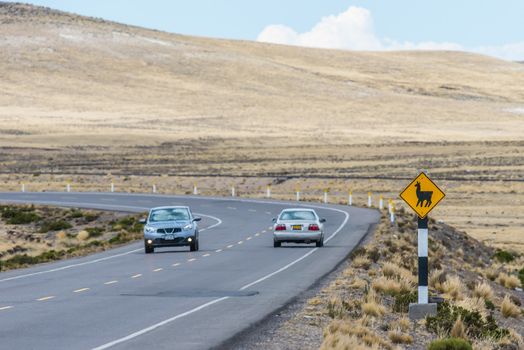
[46, 298]
[157, 270]
[230, 246]
[192, 259]
[137, 275]
[175, 264]
[110, 282]
[81, 290]
[218, 250]
[206, 255]
[5, 308]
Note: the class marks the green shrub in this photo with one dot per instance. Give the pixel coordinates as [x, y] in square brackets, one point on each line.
[90, 217]
[489, 304]
[503, 256]
[95, 231]
[521, 276]
[476, 326]
[374, 255]
[19, 215]
[450, 344]
[403, 300]
[54, 226]
[75, 214]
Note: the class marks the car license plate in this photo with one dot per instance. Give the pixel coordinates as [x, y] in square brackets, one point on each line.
[297, 227]
[169, 237]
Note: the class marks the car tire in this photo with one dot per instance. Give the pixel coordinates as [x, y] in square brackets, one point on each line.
[277, 244]
[320, 243]
[149, 249]
[194, 246]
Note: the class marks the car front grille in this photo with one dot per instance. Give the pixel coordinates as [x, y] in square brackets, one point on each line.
[169, 230]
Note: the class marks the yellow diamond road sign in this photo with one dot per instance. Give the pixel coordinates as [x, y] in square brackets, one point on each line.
[422, 195]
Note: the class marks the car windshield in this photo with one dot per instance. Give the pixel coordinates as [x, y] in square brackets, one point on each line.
[298, 215]
[169, 214]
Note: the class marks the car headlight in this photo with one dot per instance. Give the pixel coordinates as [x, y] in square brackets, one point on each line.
[188, 227]
[150, 229]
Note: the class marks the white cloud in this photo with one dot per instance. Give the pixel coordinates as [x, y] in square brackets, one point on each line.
[353, 29]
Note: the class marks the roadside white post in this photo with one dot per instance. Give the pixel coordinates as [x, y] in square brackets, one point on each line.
[325, 196]
[112, 187]
[392, 212]
[154, 188]
[233, 191]
[23, 187]
[298, 195]
[268, 191]
[369, 199]
[68, 187]
[381, 203]
[350, 199]
[195, 189]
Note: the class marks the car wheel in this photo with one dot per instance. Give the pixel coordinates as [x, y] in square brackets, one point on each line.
[194, 246]
[149, 249]
[277, 244]
[320, 243]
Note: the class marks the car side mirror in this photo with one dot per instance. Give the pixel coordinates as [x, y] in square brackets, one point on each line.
[197, 219]
[142, 221]
[322, 220]
[274, 220]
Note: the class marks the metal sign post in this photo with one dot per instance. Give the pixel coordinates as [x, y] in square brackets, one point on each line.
[422, 195]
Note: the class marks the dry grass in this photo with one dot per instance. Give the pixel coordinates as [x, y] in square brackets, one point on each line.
[491, 274]
[350, 335]
[358, 283]
[372, 307]
[453, 288]
[509, 309]
[386, 285]
[483, 290]
[508, 281]
[459, 329]
[398, 337]
[361, 262]
[82, 235]
[474, 304]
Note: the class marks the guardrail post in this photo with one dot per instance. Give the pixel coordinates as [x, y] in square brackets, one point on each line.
[68, 187]
[112, 187]
[381, 203]
[154, 188]
[268, 191]
[23, 187]
[233, 191]
[325, 196]
[369, 200]
[350, 198]
[298, 195]
[391, 211]
[195, 189]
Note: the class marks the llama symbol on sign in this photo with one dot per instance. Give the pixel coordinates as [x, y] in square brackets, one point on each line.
[423, 196]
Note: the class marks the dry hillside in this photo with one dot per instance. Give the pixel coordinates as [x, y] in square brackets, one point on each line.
[83, 95]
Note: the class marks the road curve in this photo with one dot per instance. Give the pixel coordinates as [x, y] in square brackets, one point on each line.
[173, 299]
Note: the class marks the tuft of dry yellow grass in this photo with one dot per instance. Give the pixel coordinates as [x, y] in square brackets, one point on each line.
[453, 288]
[372, 307]
[483, 290]
[82, 235]
[361, 262]
[509, 309]
[508, 281]
[398, 337]
[474, 304]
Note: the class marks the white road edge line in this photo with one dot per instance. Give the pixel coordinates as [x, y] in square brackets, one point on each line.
[81, 290]
[110, 282]
[6, 308]
[219, 222]
[203, 306]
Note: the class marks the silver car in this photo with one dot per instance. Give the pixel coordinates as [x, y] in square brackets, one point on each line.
[298, 226]
[170, 227]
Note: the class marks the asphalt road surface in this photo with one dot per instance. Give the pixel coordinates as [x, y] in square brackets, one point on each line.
[173, 299]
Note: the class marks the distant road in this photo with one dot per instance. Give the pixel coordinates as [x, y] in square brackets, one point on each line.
[173, 299]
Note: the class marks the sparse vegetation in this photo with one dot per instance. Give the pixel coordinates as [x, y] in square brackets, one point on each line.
[509, 309]
[508, 281]
[55, 225]
[503, 256]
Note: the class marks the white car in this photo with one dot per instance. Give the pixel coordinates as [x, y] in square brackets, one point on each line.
[298, 225]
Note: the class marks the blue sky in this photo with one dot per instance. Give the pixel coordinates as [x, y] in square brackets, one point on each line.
[486, 26]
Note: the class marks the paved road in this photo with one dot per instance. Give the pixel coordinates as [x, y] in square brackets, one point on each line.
[173, 299]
